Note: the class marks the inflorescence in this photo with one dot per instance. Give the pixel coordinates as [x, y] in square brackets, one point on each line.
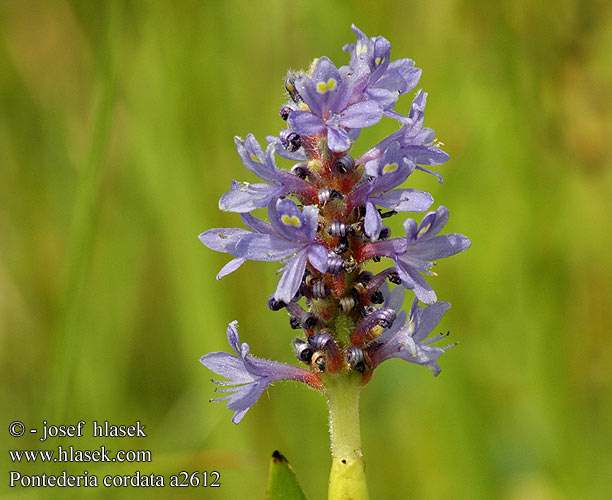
[326, 222]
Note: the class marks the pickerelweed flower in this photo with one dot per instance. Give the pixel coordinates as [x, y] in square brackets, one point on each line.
[249, 376]
[325, 224]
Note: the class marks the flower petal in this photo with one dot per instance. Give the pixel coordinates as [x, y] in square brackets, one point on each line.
[306, 123]
[439, 247]
[254, 159]
[361, 115]
[266, 247]
[430, 317]
[317, 256]
[338, 140]
[405, 200]
[413, 280]
[245, 197]
[227, 366]
[223, 239]
[372, 221]
[291, 279]
[230, 267]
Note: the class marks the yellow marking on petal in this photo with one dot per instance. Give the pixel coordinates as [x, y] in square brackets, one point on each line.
[254, 158]
[377, 61]
[291, 220]
[323, 87]
[411, 327]
[423, 231]
[303, 106]
[361, 48]
[389, 167]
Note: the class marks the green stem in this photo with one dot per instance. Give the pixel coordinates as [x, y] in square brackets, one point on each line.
[347, 477]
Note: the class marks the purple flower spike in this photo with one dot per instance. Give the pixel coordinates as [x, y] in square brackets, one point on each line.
[326, 223]
[415, 254]
[328, 96]
[249, 376]
[409, 342]
[244, 197]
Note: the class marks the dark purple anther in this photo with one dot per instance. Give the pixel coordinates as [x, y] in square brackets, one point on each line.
[394, 278]
[303, 350]
[309, 321]
[285, 111]
[337, 229]
[383, 317]
[344, 164]
[347, 303]
[367, 310]
[319, 289]
[292, 76]
[377, 281]
[355, 359]
[335, 263]
[385, 233]
[384, 215]
[275, 305]
[325, 342]
[300, 170]
[342, 246]
[380, 317]
[290, 140]
[327, 194]
[377, 297]
[365, 277]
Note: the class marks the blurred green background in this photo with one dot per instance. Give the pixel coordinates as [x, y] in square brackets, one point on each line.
[116, 140]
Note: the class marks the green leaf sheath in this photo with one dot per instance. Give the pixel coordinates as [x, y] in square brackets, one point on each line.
[282, 482]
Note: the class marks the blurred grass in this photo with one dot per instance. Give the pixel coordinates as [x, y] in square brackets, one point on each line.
[116, 127]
